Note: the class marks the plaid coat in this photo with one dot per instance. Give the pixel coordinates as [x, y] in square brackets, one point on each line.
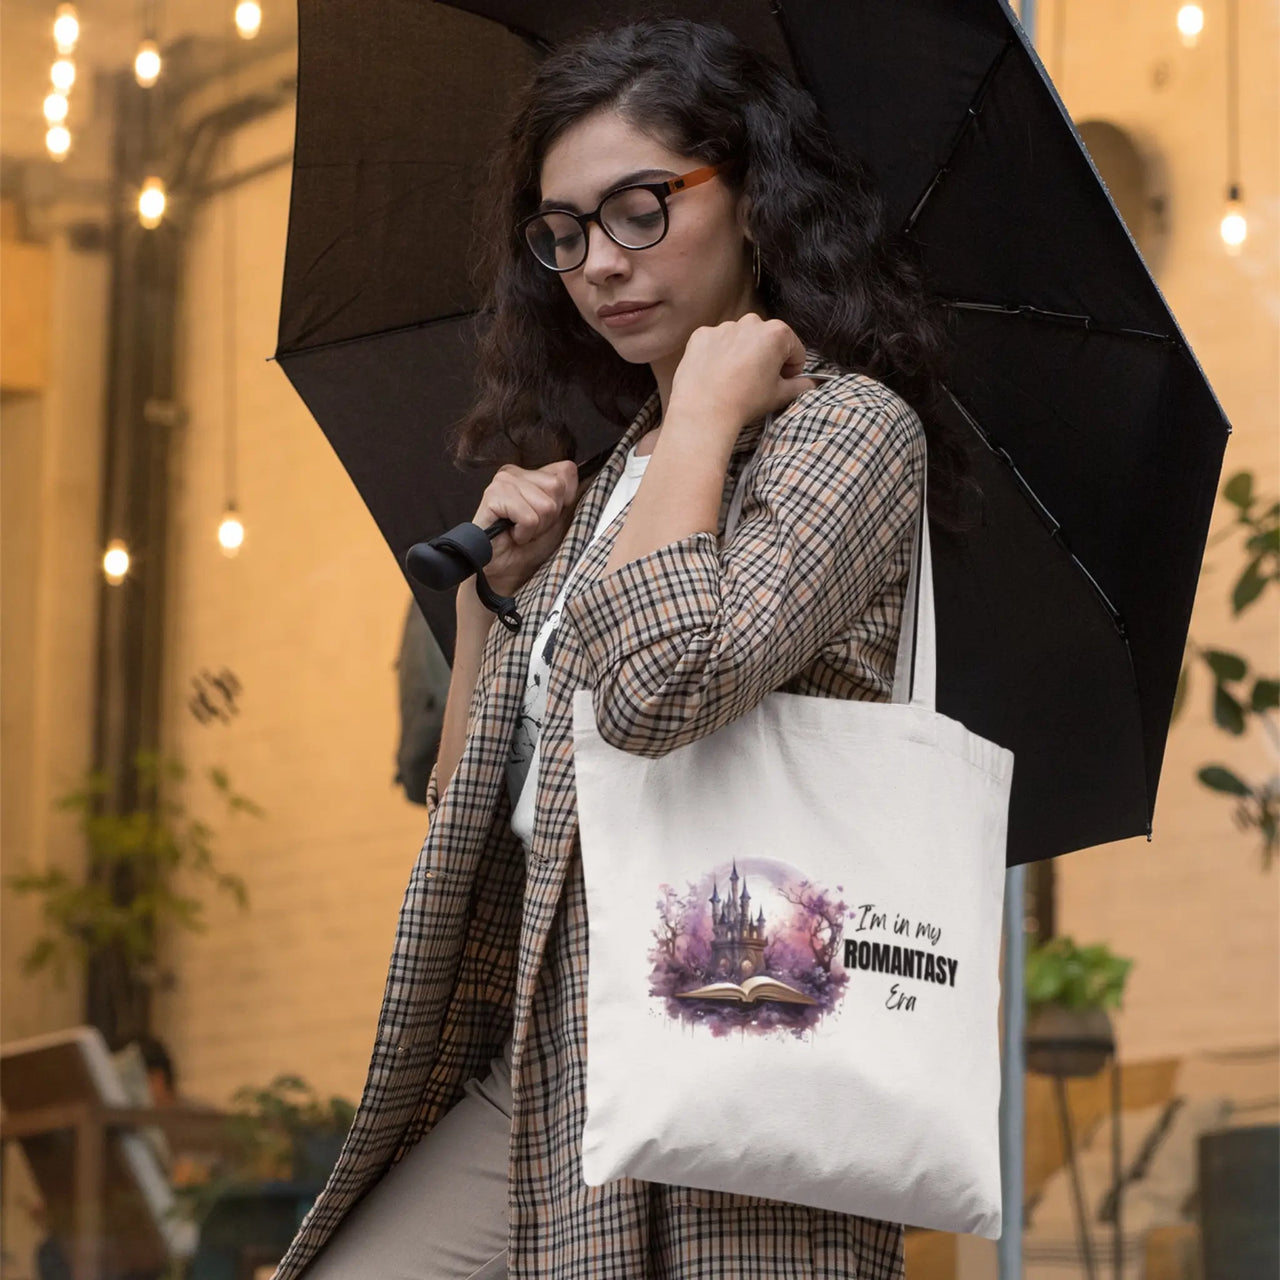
[806, 596]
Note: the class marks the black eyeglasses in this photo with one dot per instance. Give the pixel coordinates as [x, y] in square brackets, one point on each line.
[634, 217]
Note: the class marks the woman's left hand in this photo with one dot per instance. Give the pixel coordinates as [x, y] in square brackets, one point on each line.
[740, 370]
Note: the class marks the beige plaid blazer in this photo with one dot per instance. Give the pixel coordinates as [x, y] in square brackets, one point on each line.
[805, 596]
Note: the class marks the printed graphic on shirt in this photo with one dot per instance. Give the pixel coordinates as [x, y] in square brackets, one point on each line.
[534, 705]
[759, 947]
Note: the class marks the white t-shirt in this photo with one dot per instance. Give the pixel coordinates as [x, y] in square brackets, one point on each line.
[522, 763]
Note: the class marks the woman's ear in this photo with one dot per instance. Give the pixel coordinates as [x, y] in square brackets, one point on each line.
[740, 211]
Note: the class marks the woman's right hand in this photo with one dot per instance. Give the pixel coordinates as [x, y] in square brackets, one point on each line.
[540, 504]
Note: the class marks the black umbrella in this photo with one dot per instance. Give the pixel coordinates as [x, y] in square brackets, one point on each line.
[1097, 440]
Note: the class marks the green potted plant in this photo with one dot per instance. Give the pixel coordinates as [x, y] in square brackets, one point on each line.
[1069, 991]
[286, 1130]
[1244, 698]
[142, 864]
[283, 1132]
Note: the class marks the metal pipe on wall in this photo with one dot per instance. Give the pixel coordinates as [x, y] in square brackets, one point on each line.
[1013, 1059]
[142, 416]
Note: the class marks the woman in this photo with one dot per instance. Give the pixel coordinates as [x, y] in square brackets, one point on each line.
[675, 227]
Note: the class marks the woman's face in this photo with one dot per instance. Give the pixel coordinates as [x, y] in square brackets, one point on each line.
[699, 274]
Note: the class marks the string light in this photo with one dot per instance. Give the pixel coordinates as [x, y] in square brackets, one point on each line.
[1234, 227]
[58, 141]
[248, 18]
[66, 28]
[151, 203]
[63, 74]
[1190, 24]
[66, 31]
[146, 64]
[231, 532]
[115, 563]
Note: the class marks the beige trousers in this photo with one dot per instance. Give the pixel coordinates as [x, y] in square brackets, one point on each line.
[441, 1213]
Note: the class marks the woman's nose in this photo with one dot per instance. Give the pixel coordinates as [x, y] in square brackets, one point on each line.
[605, 258]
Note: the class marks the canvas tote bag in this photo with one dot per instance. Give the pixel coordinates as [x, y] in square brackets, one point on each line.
[794, 935]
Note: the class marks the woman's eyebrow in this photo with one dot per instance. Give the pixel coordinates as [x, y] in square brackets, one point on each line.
[639, 175]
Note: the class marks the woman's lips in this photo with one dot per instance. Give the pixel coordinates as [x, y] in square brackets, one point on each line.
[620, 319]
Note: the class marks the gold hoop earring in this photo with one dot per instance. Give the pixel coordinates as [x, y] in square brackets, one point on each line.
[755, 265]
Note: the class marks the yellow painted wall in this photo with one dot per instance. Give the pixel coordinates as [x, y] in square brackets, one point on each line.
[24, 309]
[50, 451]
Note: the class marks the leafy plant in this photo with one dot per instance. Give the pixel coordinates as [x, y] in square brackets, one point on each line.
[1077, 978]
[143, 849]
[272, 1124]
[274, 1133]
[1242, 696]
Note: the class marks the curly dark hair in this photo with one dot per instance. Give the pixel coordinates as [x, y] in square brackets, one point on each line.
[829, 268]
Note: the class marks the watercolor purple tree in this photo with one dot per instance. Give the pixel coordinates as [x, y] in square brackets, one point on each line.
[721, 961]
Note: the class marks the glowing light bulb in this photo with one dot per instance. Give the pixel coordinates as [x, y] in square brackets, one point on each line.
[146, 64]
[115, 563]
[55, 108]
[58, 141]
[151, 202]
[66, 27]
[248, 18]
[63, 75]
[1190, 24]
[230, 532]
[1234, 226]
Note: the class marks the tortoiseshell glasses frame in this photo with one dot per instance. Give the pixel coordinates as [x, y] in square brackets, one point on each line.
[557, 238]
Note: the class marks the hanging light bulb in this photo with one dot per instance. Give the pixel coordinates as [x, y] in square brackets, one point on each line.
[57, 141]
[248, 18]
[1234, 226]
[146, 64]
[63, 75]
[151, 202]
[231, 531]
[55, 108]
[1190, 24]
[66, 27]
[115, 563]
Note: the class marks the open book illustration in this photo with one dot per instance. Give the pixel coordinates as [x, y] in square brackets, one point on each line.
[752, 991]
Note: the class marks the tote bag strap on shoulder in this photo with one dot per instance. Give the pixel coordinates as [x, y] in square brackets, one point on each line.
[915, 675]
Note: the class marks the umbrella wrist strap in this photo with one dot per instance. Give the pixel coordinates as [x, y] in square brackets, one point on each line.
[503, 606]
[466, 549]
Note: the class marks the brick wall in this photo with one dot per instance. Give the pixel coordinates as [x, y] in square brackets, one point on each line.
[1193, 907]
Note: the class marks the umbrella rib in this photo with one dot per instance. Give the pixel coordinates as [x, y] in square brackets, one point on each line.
[1047, 518]
[1057, 317]
[972, 112]
[1054, 527]
[540, 43]
[365, 337]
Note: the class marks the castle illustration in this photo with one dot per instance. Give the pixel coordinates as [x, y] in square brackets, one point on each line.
[738, 941]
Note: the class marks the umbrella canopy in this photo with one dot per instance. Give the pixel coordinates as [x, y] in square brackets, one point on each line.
[1096, 438]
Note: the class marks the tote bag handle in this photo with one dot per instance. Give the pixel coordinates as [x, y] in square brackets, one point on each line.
[915, 675]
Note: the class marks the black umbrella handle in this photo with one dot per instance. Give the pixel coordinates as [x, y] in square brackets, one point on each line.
[451, 558]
